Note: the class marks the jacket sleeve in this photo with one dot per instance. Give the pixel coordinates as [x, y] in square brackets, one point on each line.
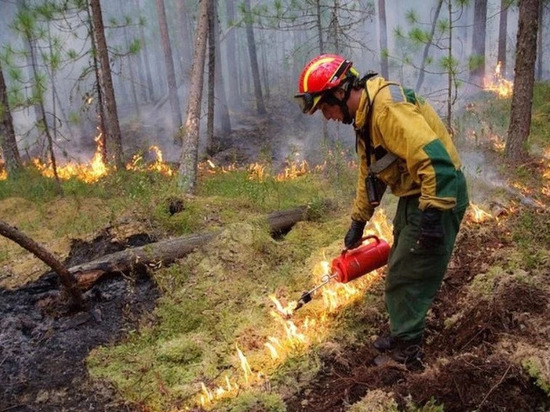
[406, 133]
[362, 210]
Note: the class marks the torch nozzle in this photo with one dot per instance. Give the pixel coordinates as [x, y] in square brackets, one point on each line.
[308, 295]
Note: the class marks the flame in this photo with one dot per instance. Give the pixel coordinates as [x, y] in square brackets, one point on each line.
[244, 365]
[498, 84]
[157, 166]
[96, 169]
[293, 171]
[298, 334]
[3, 175]
[257, 171]
[478, 215]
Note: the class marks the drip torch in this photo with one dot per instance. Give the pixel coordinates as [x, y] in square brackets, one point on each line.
[352, 264]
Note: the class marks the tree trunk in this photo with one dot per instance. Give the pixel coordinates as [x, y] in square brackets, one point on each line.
[132, 63]
[42, 121]
[319, 26]
[384, 67]
[522, 98]
[169, 65]
[186, 50]
[223, 111]
[231, 55]
[477, 73]
[112, 132]
[450, 74]
[540, 53]
[502, 35]
[427, 46]
[187, 173]
[211, 76]
[260, 107]
[8, 142]
[66, 278]
[150, 92]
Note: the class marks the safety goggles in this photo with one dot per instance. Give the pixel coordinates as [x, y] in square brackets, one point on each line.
[308, 101]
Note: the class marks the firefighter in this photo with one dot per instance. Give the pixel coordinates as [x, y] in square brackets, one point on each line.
[403, 145]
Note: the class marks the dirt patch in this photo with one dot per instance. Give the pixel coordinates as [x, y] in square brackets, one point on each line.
[43, 347]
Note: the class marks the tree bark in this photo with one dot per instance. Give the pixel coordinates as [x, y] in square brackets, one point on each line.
[477, 73]
[150, 92]
[187, 173]
[522, 97]
[211, 76]
[113, 134]
[502, 34]
[384, 67]
[167, 251]
[428, 45]
[540, 52]
[223, 112]
[260, 107]
[169, 65]
[8, 142]
[231, 55]
[186, 48]
[67, 279]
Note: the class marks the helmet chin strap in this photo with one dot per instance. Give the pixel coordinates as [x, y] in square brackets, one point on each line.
[331, 99]
[344, 105]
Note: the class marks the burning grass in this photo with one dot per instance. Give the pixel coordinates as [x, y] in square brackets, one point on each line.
[226, 302]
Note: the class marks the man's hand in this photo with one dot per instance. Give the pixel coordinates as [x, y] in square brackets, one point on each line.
[431, 229]
[354, 235]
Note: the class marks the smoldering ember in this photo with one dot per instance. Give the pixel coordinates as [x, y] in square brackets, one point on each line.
[184, 229]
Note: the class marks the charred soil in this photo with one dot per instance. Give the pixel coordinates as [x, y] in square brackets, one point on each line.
[43, 346]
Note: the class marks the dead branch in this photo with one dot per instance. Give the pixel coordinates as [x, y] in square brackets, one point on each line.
[67, 279]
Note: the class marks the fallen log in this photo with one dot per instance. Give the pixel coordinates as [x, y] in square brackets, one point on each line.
[167, 251]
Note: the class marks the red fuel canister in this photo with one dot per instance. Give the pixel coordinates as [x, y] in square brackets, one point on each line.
[357, 262]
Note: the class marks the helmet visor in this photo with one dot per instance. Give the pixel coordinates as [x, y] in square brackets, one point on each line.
[308, 101]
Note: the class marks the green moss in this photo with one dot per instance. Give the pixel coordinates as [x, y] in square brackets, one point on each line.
[254, 400]
[535, 368]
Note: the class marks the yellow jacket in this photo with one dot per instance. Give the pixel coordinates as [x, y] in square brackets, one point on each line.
[408, 127]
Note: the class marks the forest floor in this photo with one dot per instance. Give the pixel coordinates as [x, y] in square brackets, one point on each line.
[487, 340]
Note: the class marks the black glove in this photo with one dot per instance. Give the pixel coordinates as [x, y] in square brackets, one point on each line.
[354, 235]
[431, 229]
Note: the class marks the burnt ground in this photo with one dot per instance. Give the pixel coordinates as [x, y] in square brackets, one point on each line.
[43, 346]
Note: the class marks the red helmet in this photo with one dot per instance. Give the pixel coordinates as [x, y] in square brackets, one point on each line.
[323, 73]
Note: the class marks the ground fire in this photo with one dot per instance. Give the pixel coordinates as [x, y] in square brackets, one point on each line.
[498, 84]
[298, 333]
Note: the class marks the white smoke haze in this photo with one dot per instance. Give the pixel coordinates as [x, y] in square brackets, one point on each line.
[283, 47]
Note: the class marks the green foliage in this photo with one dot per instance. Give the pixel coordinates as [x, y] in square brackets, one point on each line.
[411, 16]
[475, 61]
[418, 35]
[443, 26]
[534, 367]
[28, 184]
[135, 46]
[449, 64]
